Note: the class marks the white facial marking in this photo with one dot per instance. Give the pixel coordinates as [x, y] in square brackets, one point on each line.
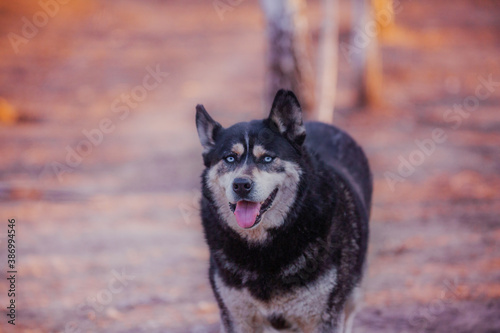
[264, 184]
[259, 151]
[247, 141]
[286, 182]
[238, 149]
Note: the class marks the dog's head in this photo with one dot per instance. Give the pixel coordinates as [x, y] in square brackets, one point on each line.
[253, 168]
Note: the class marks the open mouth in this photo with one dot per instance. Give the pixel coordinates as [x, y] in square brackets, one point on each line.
[248, 213]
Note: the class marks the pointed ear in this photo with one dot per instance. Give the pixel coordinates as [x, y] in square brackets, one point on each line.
[286, 115]
[207, 128]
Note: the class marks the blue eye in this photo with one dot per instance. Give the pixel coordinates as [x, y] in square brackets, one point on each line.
[230, 159]
[268, 159]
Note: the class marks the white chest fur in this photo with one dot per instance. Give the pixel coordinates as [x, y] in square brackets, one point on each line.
[303, 307]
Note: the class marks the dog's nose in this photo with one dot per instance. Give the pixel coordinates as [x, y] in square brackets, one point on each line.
[242, 186]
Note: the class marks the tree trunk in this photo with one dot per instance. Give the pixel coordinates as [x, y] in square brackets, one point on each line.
[385, 15]
[367, 62]
[328, 59]
[289, 65]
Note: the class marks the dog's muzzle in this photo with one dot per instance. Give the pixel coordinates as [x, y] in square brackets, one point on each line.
[249, 213]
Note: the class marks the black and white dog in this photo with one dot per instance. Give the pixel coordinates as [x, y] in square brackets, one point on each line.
[285, 209]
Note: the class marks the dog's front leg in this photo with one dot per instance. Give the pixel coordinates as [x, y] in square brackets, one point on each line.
[238, 311]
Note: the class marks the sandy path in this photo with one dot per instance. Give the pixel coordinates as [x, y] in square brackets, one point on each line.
[128, 208]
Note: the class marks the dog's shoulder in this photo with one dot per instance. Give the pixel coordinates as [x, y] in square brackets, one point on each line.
[342, 155]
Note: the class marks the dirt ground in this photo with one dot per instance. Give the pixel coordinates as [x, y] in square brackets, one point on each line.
[108, 234]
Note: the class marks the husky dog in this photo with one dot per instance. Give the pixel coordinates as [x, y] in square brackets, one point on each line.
[285, 209]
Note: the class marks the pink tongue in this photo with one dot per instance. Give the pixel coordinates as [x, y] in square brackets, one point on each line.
[246, 212]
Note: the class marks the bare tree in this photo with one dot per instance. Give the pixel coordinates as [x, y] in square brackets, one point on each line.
[366, 63]
[327, 69]
[289, 65]
[289, 62]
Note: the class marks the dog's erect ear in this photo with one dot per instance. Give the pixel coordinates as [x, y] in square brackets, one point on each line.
[286, 114]
[207, 128]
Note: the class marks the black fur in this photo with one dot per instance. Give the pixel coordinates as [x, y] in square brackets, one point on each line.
[286, 107]
[329, 218]
[278, 322]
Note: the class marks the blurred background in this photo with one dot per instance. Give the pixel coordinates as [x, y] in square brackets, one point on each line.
[100, 160]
